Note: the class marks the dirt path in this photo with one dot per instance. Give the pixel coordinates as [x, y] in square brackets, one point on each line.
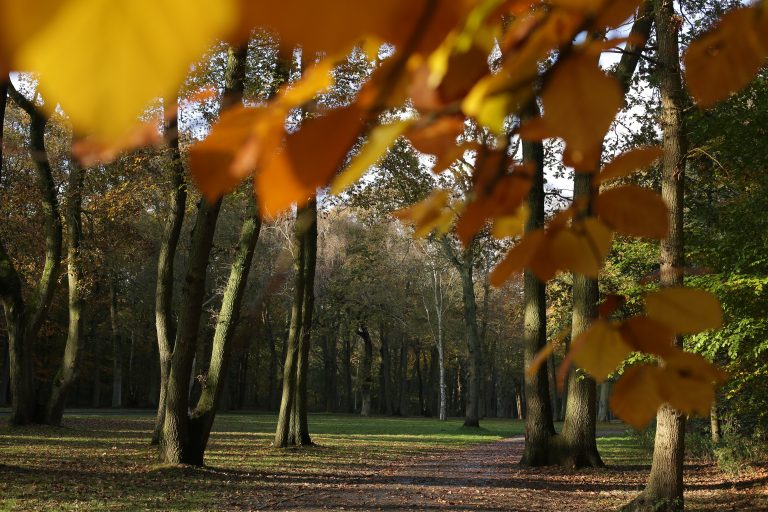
[487, 477]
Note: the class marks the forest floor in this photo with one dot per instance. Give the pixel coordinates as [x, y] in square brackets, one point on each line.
[104, 462]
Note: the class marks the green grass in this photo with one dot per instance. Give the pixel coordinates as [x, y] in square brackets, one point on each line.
[98, 462]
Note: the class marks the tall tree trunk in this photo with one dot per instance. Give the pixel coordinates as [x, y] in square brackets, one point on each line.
[283, 437]
[402, 374]
[539, 425]
[204, 413]
[367, 378]
[117, 361]
[464, 264]
[439, 310]
[577, 447]
[664, 490]
[70, 364]
[300, 424]
[164, 324]
[552, 374]
[24, 321]
[348, 374]
[5, 376]
[715, 429]
[175, 437]
[385, 375]
[602, 402]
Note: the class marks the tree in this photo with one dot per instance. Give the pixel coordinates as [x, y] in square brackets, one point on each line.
[664, 489]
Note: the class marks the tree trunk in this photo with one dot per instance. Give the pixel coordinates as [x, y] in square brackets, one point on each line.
[402, 373]
[552, 374]
[70, 364]
[603, 415]
[348, 373]
[5, 376]
[175, 437]
[385, 375]
[664, 490]
[714, 424]
[365, 388]
[204, 413]
[117, 362]
[300, 424]
[539, 425]
[164, 324]
[23, 322]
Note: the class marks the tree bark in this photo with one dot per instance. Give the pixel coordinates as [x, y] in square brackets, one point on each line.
[664, 490]
[204, 413]
[117, 361]
[70, 364]
[539, 425]
[385, 375]
[24, 321]
[164, 324]
[367, 378]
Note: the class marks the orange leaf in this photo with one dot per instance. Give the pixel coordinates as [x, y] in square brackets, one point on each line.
[647, 335]
[627, 163]
[309, 160]
[687, 383]
[582, 248]
[635, 397]
[580, 102]
[600, 349]
[684, 310]
[634, 211]
[610, 304]
[728, 57]
[437, 138]
[429, 214]
[517, 257]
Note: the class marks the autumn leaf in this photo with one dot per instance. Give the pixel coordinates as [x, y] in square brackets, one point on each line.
[600, 349]
[634, 211]
[727, 58]
[310, 159]
[430, 214]
[582, 248]
[684, 310]
[687, 383]
[334, 26]
[511, 225]
[627, 163]
[438, 137]
[104, 62]
[635, 398]
[379, 141]
[647, 335]
[20, 21]
[580, 102]
[517, 257]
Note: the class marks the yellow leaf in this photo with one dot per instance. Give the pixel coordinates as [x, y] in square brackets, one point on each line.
[582, 248]
[729, 56]
[627, 163]
[511, 225]
[104, 61]
[684, 310]
[634, 211]
[647, 335]
[379, 141]
[427, 215]
[580, 102]
[600, 349]
[635, 397]
[20, 20]
[687, 383]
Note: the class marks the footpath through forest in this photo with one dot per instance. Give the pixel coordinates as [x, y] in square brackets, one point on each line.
[488, 477]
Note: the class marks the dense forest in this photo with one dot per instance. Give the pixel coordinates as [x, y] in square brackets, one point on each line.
[465, 250]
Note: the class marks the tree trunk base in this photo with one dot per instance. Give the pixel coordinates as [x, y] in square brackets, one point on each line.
[647, 503]
[472, 423]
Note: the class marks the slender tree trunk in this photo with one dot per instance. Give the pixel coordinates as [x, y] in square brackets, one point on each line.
[70, 364]
[300, 424]
[283, 437]
[348, 373]
[551, 373]
[402, 371]
[664, 490]
[5, 377]
[539, 425]
[365, 387]
[204, 413]
[385, 394]
[164, 324]
[602, 404]
[714, 424]
[117, 361]
[175, 437]
[24, 321]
